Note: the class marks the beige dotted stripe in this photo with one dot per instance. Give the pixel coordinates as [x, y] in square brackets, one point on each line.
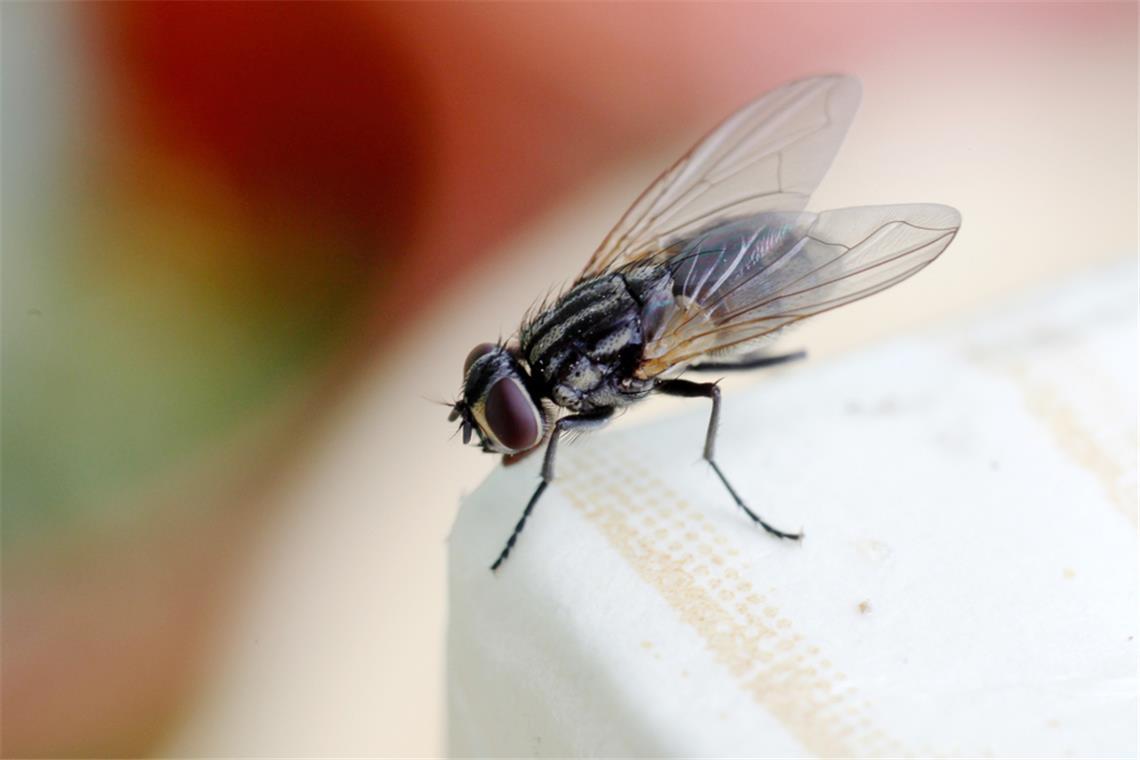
[1114, 471]
[672, 547]
[1078, 442]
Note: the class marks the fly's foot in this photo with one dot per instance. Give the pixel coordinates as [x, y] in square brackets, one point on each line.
[774, 531]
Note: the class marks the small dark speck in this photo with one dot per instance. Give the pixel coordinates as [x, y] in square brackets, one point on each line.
[35, 313]
[994, 465]
[865, 607]
[1130, 638]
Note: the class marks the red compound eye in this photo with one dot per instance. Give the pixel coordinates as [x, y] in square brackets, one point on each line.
[479, 350]
[512, 416]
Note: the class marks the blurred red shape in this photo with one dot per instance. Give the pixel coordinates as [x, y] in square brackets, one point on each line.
[306, 106]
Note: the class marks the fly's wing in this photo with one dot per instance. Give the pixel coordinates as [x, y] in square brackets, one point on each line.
[741, 280]
[768, 156]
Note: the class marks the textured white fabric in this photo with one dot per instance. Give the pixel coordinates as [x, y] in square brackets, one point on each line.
[967, 583]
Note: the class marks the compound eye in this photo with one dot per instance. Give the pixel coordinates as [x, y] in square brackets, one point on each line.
[480, 350]
[512, 416]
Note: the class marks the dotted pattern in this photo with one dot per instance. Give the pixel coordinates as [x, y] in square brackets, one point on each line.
[1112, 462]
[682, 555]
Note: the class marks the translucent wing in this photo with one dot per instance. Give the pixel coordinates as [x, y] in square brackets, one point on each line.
[741, 280]
[768, 156]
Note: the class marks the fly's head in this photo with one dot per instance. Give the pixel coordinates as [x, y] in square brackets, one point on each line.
[499, 403]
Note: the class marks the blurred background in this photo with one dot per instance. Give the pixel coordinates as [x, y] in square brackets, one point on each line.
[245, 246]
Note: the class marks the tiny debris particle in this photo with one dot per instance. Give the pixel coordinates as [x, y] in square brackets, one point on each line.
[1069, 573]
[647, 645]
[865, 607]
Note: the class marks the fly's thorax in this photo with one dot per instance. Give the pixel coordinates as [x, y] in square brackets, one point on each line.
[584, 349]
[501, 401]
[573, 317]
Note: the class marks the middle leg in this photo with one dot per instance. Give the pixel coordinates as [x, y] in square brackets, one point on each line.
[689, 389]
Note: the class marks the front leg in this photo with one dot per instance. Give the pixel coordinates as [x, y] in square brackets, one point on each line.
[689, 389]
[585, 421]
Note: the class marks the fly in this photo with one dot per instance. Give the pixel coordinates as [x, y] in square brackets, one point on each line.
[711, 262]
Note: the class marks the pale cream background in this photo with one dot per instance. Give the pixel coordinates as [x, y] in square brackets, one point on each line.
[336, 644]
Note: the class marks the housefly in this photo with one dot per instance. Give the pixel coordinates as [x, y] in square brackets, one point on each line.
[714, 259]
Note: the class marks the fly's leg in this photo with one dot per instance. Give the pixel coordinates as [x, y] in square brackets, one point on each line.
[522, 520]
[748, 362]
[690, 389]
[566, 424]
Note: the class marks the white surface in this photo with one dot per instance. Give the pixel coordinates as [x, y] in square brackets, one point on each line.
[966, 585]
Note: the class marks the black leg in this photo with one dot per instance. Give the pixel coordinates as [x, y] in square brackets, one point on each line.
[690, 389]
[748, 362]
[519, 525]
[573, 422]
